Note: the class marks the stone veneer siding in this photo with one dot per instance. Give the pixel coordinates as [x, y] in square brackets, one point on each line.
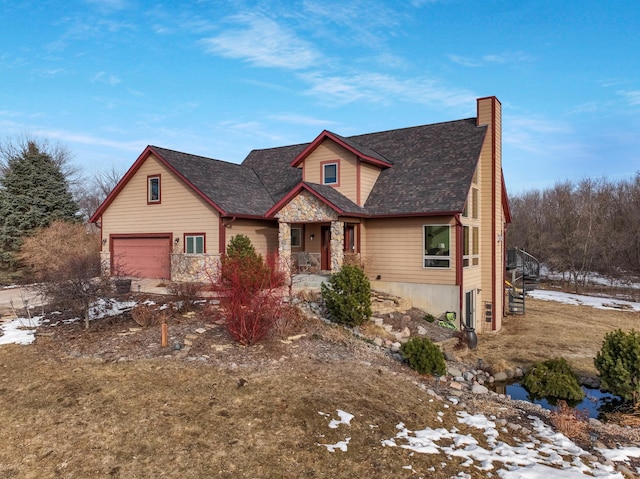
[306, 208]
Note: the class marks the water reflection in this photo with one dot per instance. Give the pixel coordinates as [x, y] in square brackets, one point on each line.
[594, 403]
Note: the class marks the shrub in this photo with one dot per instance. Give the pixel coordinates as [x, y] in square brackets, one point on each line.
[424, 356]
[618, 363]
[569, 421]
[553, 378]
[429, 318]
[185, 293]
[65, 260]
[145, 315]
[249, 291]
[347, 295]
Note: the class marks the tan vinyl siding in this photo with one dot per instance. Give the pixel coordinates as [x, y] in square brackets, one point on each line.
[180, 211]
[368, 177]
[395, 251]
[490, 184]
[263, 234]
[328, 151]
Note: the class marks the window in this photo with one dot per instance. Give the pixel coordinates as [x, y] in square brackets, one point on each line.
[194, 244]
[475, 246]
[350, 238]
[471, 246]
[296, 237]
[153, 189]
[437, 246]
[330, 174]
[474, 203]
[465, 247]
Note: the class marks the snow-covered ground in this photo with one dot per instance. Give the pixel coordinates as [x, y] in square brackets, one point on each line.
[546, 454]
[22, 330]
[580, 299]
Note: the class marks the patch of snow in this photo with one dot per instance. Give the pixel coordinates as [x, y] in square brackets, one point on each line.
[583, 300]
[20, 330]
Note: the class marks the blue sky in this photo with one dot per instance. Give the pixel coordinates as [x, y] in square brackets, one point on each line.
[216, 78]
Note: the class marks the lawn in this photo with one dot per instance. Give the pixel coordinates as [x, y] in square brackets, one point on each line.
[110, 402]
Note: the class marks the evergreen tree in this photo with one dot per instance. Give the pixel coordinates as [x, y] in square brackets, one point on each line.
[33, 193]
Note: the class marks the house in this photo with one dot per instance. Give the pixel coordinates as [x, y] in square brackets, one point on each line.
[424, 209]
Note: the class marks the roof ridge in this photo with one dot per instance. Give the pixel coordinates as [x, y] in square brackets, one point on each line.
[195, 156]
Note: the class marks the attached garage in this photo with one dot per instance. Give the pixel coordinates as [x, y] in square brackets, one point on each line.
[141, 256]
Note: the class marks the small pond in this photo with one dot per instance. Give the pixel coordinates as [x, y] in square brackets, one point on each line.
[594, 402]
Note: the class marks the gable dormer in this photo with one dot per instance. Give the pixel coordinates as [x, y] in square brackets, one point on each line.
[335, 161]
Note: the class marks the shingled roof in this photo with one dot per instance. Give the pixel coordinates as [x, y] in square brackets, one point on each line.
[233, 188]
[431, 172]
[425, 170]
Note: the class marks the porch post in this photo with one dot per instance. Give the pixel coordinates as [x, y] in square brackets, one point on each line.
[337, 245]
[284, 248]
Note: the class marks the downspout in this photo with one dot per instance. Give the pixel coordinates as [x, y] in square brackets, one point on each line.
[459, 268]
[222, 234]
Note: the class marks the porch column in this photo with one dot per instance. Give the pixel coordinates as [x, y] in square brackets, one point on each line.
[284, 248]
[337, 245]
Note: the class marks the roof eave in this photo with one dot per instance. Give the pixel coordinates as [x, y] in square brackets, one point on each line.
[149, 150]
[328, 135]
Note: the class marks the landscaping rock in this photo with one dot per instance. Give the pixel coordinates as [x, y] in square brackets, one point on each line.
[395, 347]
[377, 321]
[422, 331]
[500, 376]
[378, 342]
[518, 373]
[479, 389]
[510, 373]
[454, 371]
[456, 385]
[468, 376]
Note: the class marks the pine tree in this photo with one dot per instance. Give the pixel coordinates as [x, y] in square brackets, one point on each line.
[33, 193]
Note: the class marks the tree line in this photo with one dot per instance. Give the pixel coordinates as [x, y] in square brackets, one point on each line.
[582, 227]
[39, 185]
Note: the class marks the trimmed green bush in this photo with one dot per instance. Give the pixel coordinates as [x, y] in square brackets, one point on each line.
[347, 295]
[424, 356]
[554, 379]
[618, 363]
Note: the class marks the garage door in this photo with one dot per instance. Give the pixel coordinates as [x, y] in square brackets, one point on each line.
[142, 257]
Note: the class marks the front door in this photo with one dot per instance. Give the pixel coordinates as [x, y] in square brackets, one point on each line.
[325, 251]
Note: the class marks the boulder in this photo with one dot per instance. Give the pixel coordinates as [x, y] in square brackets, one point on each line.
[500, 376]
[479, 389]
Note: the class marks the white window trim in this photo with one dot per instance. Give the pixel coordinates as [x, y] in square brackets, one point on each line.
[324, 180]
[186, 242]
[150, 179]
[426, 257]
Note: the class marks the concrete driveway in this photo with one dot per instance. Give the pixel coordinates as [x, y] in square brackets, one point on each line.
[14, 300]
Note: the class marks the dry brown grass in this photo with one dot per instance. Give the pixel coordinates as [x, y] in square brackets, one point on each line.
[569, 421]
[65, 417]
[550, 329]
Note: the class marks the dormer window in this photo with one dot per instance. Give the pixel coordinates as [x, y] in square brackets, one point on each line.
[153, 189]
[330, 173]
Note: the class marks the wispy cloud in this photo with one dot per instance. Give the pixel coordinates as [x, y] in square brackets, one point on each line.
[73, 137]
[534, 135]
[107, 78]
[490, 59]
[301, 119]
[365, 22]
[632, 96]
[385, 89]
[263, 43]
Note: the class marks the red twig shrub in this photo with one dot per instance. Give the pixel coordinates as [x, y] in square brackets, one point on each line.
[250, 293]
